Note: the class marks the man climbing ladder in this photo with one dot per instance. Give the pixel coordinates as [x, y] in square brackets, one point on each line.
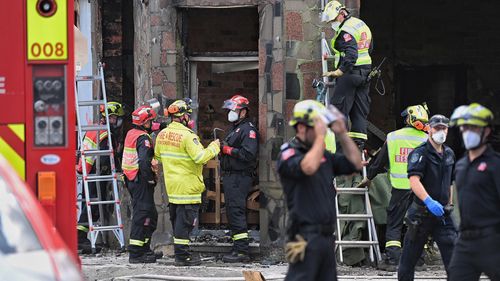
[352, 45]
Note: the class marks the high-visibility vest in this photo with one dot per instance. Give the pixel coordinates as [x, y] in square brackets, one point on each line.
[182, 157]
[330, 144]
[130, 160]
[90, 143]
[363, 36]
[399, 144]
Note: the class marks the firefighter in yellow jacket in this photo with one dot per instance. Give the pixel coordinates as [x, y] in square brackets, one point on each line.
[140, 179]
[183, 156]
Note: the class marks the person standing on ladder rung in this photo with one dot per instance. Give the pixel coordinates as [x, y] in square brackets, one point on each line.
[140, 180]
[90, 142]
[352, 45]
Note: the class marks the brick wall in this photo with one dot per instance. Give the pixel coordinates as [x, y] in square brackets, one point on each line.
[302, 35]
[112, 47]
[214, 89]
[117, 50]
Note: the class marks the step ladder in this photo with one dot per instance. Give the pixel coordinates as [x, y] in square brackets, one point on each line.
[96, 228]
[372, 242]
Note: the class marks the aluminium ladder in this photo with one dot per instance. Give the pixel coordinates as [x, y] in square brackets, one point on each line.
[372, 242]
[95, 228]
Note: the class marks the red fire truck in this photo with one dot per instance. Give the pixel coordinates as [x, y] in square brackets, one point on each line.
[37, 104]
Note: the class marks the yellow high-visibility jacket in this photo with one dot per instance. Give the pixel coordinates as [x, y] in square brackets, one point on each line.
[183, 156]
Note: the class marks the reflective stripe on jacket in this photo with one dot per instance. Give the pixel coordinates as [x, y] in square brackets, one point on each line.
[182, 157]
[130, 161]
[90, 143]
[363, 36]
[399, 144]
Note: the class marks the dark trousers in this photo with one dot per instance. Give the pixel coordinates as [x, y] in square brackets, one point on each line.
[184, 217]
[471, 257]
[144, 217]
[443, 232]
[319, 261]
[83, 221]
[236, 188]
[351, 97]
[398, 205]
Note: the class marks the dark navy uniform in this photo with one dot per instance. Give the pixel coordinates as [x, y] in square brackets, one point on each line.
[436, 174]
[478, 245]
[238, 171]
[351, 92]
[311, 205]
[145, 216]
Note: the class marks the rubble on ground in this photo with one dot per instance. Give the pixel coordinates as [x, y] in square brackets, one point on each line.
[110, 265]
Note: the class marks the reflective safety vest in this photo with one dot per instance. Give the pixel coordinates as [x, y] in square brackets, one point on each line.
[130, 160]
[182, 157]
[399, 144]
[363, 36]
[90, 143]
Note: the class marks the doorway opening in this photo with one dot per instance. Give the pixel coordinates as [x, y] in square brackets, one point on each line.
[221, 47]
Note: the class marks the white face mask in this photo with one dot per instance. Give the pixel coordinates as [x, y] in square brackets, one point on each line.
[439, 137]
[335, 25]
[471, 139]
[232, 116]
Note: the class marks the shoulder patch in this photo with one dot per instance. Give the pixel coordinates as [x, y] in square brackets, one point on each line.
[482, 167]
[287, 154]
[147, 143]
[252, 134]
[347, 37]
[415, 157]
[195, 140]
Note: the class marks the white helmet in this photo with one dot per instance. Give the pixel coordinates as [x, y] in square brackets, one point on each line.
[331, 11]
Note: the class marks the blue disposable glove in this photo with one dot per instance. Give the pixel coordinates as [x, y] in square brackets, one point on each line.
[434, 206]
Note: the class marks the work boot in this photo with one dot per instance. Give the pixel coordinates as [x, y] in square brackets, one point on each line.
[236, 257]
[187, 261]
[420, 266]
[156, 254]
[84, 246]
[388, 265]
[145, 258]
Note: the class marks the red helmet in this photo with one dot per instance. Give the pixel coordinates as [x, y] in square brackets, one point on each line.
[236, 102]
[143, 114]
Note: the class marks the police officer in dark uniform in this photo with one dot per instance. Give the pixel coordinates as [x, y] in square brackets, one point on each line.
[352, 45]
[430, 170]
[394, 154]
[477, 178]
[306, 170]
[238, 163]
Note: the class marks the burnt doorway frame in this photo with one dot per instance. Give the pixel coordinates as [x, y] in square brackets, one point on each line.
[193, 82]
[229, 60]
